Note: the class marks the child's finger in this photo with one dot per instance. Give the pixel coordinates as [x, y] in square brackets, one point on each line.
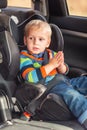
[50, 55]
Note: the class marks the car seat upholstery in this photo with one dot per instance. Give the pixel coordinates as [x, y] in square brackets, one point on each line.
[8, 22]
[9, 59]
[9, 52]
[57, 41]
[21, 14]
[9, 67]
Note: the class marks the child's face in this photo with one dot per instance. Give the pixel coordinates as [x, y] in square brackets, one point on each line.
[37, 40]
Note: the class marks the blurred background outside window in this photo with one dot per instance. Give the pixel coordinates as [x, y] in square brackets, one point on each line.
[20, 3]
[77, 7]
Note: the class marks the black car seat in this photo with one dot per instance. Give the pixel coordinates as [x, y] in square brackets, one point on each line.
[10, 54]
[57, 44]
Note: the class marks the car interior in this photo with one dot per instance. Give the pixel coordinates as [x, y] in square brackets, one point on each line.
[12, 23]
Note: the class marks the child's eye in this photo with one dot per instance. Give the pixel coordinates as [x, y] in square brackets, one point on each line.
[31, 38]
[41, 39]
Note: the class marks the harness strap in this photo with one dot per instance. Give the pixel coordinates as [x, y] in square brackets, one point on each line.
[35, 103]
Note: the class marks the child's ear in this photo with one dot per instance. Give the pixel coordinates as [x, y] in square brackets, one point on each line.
[48, 43]
[25, 41]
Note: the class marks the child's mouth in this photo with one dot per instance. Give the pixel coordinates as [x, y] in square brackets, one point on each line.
[35, 48]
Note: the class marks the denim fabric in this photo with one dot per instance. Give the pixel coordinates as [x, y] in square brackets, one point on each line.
[73, 92]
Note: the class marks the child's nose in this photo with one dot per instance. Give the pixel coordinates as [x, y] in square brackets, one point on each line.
[35, 41]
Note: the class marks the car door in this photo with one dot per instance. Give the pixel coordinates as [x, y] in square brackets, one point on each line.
[74, 28]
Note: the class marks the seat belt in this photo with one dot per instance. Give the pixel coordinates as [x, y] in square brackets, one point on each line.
[35, 103]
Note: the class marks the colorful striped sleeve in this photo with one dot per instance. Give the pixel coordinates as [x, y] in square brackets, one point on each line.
[31, 72]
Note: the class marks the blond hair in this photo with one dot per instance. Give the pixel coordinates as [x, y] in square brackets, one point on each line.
[37, 24]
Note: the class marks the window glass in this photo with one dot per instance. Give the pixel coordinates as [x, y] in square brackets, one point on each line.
[77, 7]
[20, 3]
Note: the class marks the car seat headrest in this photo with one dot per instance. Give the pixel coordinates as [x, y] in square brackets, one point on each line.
[3, 4]
[22, 25]
[57, 41]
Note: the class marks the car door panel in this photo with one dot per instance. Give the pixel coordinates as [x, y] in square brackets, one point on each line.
[74, 30]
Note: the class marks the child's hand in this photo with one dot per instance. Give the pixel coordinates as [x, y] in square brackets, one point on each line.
[62, 67]
[57, 60]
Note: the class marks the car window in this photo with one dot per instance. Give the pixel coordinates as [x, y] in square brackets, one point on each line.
[20, 3]
[77, 8]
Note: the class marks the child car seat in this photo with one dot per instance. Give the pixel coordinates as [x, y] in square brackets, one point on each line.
[57, 44]
[10, 67]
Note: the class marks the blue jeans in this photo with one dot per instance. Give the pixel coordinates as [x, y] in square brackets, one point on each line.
[73, 92]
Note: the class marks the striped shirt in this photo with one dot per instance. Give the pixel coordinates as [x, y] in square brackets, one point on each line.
[32, 68]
